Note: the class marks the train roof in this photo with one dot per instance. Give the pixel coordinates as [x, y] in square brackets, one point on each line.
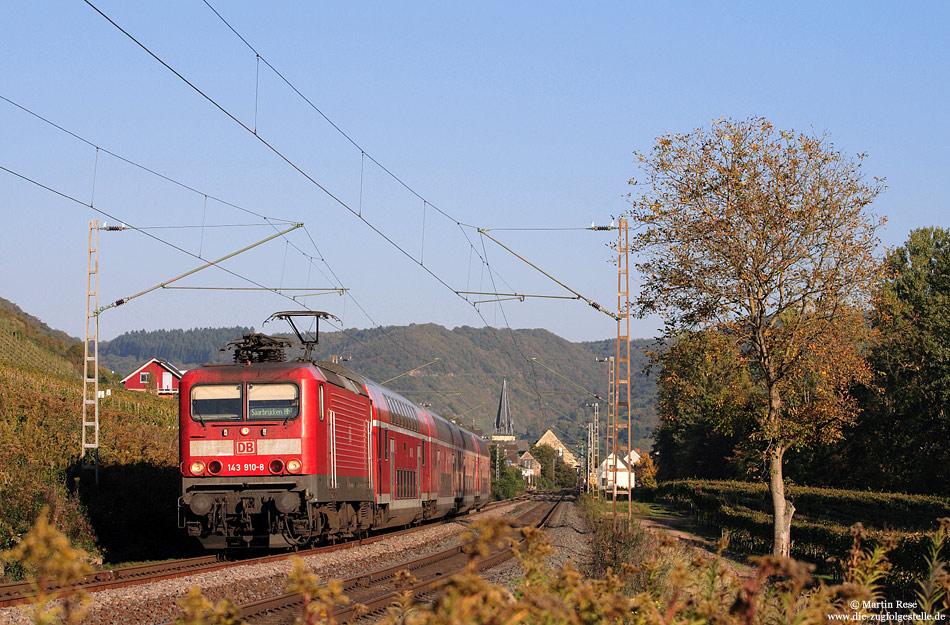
[346, 378]
[338, 375]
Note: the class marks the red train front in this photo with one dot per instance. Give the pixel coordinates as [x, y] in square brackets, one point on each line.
[283, 454]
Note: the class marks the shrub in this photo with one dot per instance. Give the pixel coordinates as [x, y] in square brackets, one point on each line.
[685, 588]
[821, 528]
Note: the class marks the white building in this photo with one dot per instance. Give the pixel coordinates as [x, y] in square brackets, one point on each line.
[625, 476]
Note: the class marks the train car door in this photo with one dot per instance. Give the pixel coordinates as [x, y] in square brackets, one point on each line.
[392, 468]
[380, 457]
[333, 435]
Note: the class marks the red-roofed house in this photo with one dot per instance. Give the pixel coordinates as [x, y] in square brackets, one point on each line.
[156, 375]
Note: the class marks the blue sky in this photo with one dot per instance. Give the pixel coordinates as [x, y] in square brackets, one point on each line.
[501, 115]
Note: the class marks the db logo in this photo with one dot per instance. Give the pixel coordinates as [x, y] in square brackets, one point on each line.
[245, 447]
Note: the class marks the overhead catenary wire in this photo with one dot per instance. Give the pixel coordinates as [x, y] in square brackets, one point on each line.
[320, 186]
[296, 167]
[213, 263]
[591, 302]
[517, 296]
[202, 226]
[129, 225]
[252, 288]
[568, 380]
[317, 109]
[575, 229]
[270, 146]
[270, 221]
[534, 377]
[139, 165]
[173, 246]
[431, 362]
[364, 155]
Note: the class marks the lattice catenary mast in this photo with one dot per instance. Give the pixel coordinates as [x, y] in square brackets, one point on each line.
[89, 452]
[622, 415]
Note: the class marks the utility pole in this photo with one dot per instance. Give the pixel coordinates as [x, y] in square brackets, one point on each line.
[610, 456]
[595, 447]
[623, 441]
[610, 470]
[89, 451]
[590, 457]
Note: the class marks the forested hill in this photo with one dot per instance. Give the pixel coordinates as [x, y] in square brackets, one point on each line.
[182, 348]
[465, 382]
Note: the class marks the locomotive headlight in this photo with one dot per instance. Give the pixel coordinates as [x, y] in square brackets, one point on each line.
[197, 467]
[214, 467]
[293, 466]
[245, 431]
[276, 466]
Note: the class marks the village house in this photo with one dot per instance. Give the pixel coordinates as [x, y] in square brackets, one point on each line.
[562, 451]
[530, 468]
[625, 475]
[156, 375]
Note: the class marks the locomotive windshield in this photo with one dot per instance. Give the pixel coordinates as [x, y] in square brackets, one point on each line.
[225, 402]
[272, 401]
[217, 402]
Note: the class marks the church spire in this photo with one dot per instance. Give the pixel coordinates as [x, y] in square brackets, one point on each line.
[503, 423]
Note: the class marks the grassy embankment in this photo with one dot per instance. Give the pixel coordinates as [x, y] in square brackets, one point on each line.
[131, 515]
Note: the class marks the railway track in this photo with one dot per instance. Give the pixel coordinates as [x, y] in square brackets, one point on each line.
[370, 590]
[16, 593]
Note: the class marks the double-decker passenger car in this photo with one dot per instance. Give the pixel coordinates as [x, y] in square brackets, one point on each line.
[283, 454]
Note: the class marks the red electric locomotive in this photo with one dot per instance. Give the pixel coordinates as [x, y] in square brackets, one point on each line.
[284, 454]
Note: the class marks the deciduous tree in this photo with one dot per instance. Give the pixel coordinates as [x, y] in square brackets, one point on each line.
[905, 429]
[704, 405]
[766, 236]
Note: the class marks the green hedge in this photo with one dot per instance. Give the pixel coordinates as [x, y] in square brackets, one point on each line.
[883, 511]
[822, 522]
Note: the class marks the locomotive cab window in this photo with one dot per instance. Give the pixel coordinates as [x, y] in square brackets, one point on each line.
[217, 402]
[273, 401]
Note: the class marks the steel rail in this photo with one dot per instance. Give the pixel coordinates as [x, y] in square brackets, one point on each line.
[278, 608]
[16, 593]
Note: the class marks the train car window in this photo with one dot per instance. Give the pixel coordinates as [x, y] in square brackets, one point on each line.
[423, 453]
[386, 446]
[217, 402]
[320, 407]
[273, 401]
